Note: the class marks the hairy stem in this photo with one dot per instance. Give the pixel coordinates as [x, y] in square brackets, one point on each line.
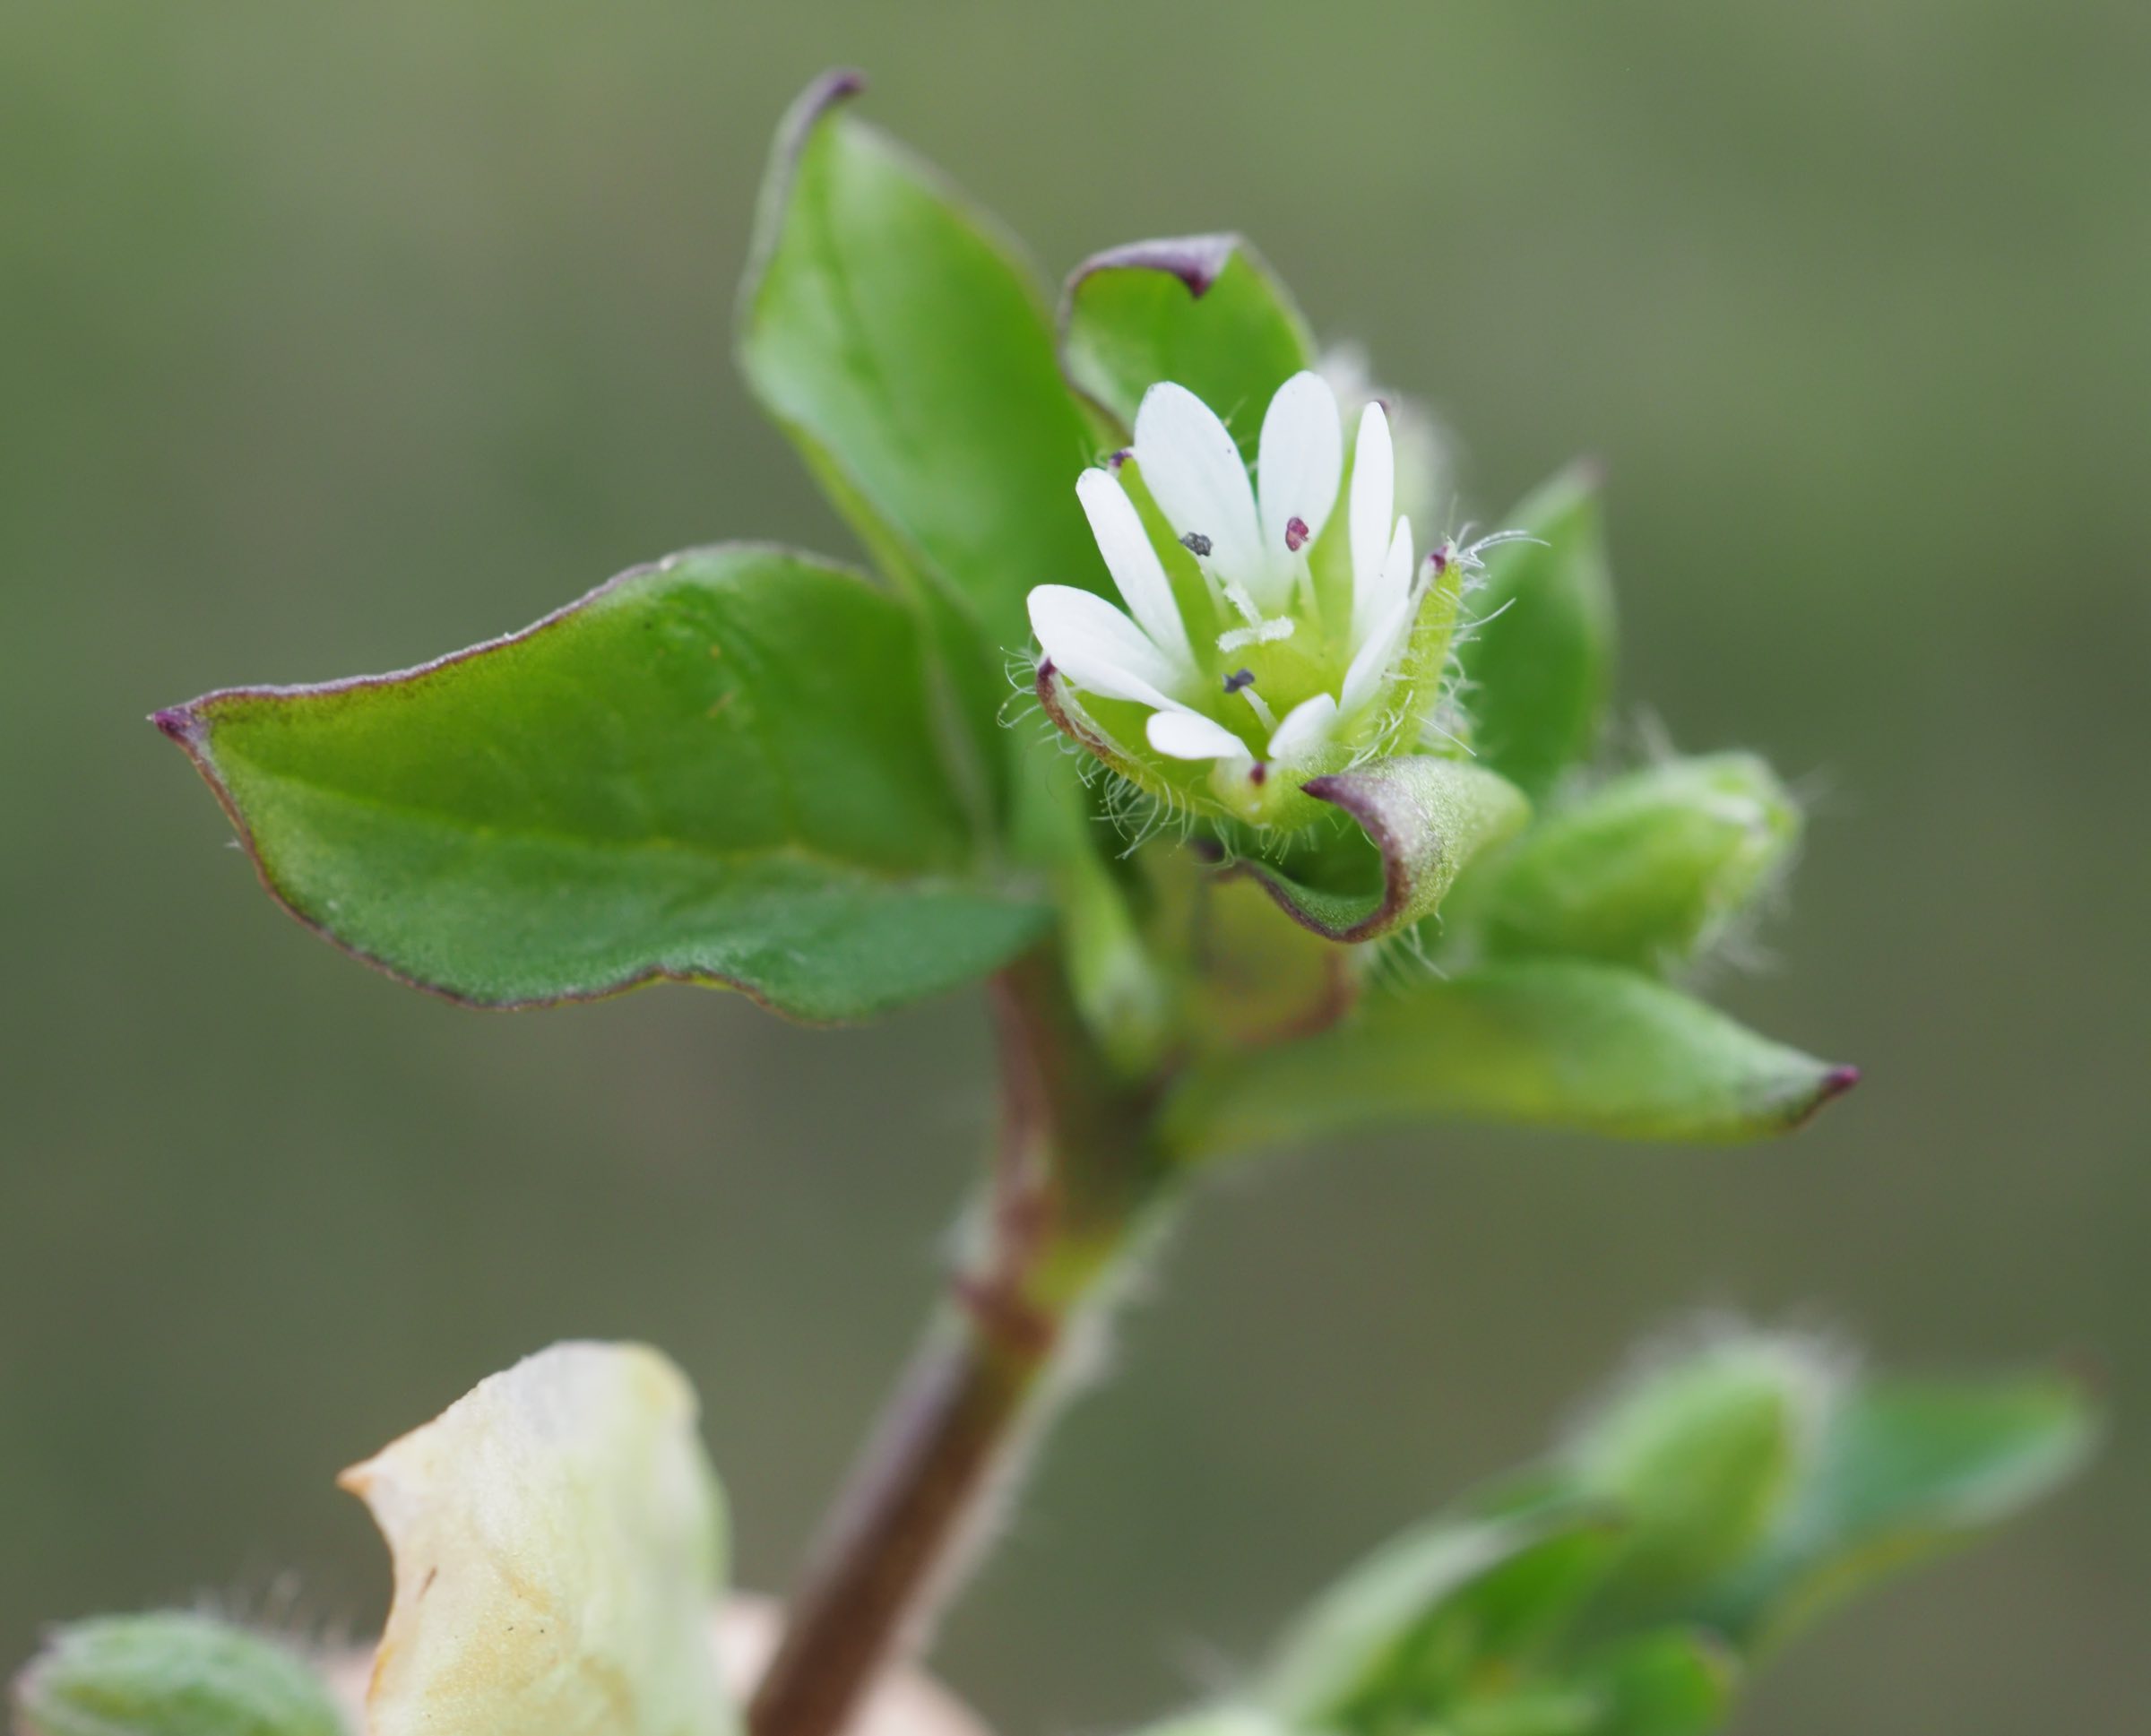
[1076, 1171]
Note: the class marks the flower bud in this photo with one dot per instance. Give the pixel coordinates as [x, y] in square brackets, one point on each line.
[1650, 869]
[1702, 1455]
[170, 1674]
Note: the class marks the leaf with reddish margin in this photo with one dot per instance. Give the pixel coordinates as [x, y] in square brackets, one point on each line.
[1426, 819]
[717, 769]
[1202, 310]
[1543, 1043]
[900, 340]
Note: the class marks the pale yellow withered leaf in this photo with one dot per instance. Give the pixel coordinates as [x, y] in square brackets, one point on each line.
[557, 1535]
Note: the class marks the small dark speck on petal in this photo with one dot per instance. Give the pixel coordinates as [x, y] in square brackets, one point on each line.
[1196, 544]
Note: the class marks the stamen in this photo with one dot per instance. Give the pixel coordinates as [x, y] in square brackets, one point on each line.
[1196, 544]
[1242, 682]
[1259, 773]
[1262, 633]
[1295, 533]
[1115, 460]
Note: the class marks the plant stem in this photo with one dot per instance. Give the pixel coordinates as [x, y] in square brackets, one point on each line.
[1077, 1170]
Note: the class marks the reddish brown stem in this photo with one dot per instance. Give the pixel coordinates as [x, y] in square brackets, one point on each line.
[1077, 1166]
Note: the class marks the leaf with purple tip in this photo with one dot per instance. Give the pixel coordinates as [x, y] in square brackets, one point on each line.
[1201, 310]
[717, 769]
[1542, 1042]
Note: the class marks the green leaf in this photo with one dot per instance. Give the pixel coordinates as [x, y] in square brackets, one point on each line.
[1648, 869]
[1907, 1469]
[172, 1674]
[1675, 1683]
[1202, 310]
[898, 339]
[719, 769]
[1399, 1635]
[1539, 666]
[1540, 1043]
[1424, 818]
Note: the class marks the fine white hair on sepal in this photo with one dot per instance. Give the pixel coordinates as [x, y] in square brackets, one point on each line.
[1816, 1364]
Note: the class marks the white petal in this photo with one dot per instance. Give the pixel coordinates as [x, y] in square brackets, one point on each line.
[1305, 728]
[1302, 451]
[1188, 735]
[1373, 503]
[1374, 594]
[1134, 563]
[1192, 470]
[1371, 661]
[1098, 648]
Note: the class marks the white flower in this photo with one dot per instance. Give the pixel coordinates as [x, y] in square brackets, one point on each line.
[1276, 664]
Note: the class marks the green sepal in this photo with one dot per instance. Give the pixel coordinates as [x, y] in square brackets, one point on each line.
[1703, 1454]
[1403, 1635]
[1539, 665]
[1538, 1042]
[1650, 869]
[1204, 311]
[170, 1674]
[900, 338]
[1675, 1682]
[1907, 1469]
[721, 769]
[1421, 822]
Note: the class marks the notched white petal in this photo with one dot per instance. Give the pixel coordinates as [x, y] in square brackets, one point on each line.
[1373, 505]
[1299, 459]
[557, 1536]
[1376, 595]
[1370, 664]
[1188, 735]
[1098, 648]
[1134, 563]
[1194, 472]
[1306, 728]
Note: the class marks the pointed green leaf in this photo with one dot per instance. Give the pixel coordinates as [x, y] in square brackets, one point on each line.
[1202, 310]
[1548, 1043]
[898, 339]
[1539, 666]
[718, 769]
[1647, 870]
[1907, 1469]
[1423, 819]
[170, 1674]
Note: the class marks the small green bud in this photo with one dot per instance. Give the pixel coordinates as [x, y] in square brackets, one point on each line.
[1650, 869]
[1704, 1454]
[170, 1674]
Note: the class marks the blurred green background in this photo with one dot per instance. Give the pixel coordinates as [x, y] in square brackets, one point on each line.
[336, 336]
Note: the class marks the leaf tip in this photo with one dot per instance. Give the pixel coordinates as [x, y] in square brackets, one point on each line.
[838, 85]
[1199, 260]
[179, 723]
